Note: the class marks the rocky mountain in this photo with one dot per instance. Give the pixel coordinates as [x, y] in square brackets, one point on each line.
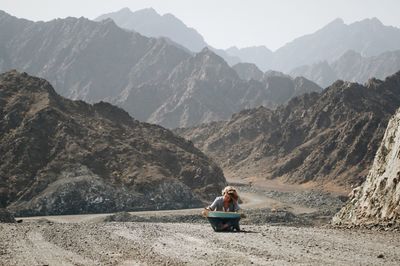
[86, 60]
[368, 37]
[351, 66]
[152, 79]
[149, 23]
[59, 156]
[201, 88]
[206, 89]
[261, 56]
[377, 200]
[327, 138]
[281, 87]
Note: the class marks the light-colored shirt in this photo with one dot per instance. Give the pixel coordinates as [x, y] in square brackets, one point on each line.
[218, 205]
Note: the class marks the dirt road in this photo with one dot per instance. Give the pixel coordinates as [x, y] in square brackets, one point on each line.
[191, 244]
[251, 200]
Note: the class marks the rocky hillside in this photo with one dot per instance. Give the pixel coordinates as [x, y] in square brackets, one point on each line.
[351, 66]
[326, 138]
[60, 156]
[377, 200]
[153, 79]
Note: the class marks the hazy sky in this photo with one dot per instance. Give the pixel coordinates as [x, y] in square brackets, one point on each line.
[224, 23]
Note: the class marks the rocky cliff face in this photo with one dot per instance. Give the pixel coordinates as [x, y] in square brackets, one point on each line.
[325, 138]
[377, 200]
[351, 66]
[59, 156]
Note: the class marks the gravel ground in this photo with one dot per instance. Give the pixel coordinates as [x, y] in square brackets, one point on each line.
[254, 217]
[135, 243]
[319, 200]
[281, 228]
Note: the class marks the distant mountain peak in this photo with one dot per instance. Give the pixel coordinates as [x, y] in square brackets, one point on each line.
[171, 16]
[254, 47]
[149, 10]
[125, 10]
[128, 11]
[371, 21]
[150, 23]
[206, 52]
[338, 22]
[207, 58]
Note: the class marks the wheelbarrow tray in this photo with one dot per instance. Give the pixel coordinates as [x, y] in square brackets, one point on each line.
[218, 219]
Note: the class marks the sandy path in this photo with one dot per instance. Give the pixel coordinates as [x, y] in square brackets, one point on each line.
[192, 244]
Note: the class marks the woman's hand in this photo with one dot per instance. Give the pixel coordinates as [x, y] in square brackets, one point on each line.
[205, 212]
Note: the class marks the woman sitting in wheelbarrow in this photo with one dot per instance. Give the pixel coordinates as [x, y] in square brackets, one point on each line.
[228, 202]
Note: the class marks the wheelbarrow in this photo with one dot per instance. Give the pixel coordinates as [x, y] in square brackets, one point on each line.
[223, 221]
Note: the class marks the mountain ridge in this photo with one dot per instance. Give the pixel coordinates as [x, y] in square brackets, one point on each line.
[149, 23]
[351, 66]
[365, 37]
[99, 61]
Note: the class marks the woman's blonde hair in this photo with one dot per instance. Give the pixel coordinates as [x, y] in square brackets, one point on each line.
[229, 190]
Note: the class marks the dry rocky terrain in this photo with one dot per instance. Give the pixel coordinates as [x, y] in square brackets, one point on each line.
[275, 232]
[134, 243]
[285, 225]
[59, 156]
